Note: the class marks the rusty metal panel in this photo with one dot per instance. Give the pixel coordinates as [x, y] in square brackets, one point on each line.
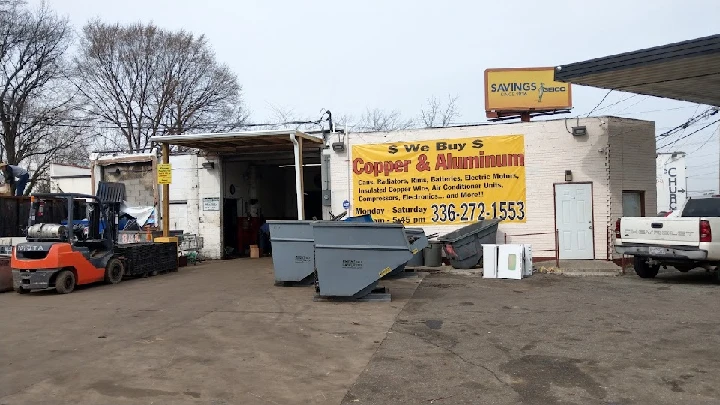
[14, 213]
[5, 274]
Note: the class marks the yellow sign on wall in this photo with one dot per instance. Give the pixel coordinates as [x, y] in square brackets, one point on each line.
[164, 173]
[441, 182]
[528, 89]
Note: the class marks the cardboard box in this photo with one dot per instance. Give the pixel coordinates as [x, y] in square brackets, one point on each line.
[254, 252]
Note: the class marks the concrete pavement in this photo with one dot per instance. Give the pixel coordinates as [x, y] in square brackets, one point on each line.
[218, 333]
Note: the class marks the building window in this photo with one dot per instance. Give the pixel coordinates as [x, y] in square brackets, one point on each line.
[633, 203]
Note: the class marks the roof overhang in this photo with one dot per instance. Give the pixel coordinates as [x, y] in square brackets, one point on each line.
[97, 159]
[687, 71]
[243, 142]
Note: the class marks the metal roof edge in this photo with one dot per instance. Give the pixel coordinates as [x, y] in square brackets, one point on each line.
[677, 50]
[239, 134]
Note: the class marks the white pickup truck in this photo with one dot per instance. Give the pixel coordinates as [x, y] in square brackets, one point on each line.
[684, 242]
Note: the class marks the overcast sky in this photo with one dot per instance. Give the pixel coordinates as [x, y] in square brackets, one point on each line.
[346, 56]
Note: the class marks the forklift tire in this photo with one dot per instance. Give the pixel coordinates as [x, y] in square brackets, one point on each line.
[114, 271]
[65, 282]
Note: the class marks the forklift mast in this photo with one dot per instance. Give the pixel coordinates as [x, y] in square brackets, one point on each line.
[111, 196]
[103, 207]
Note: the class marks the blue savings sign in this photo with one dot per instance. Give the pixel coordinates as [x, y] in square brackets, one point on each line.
[528, 89]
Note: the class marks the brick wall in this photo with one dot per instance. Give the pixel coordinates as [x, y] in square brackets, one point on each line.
[138, 179]
[550, 150]
[631, 155]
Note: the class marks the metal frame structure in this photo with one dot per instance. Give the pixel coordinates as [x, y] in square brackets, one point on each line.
[244, 143]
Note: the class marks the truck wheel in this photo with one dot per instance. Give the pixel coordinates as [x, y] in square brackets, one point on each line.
[114, 271]
[644, 270]
[65, 282]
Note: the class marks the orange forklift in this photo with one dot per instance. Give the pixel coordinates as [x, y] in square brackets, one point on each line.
[81, 249]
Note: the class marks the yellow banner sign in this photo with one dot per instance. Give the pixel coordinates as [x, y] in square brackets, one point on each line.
[164, 173]
[441, 182]
[530, 89]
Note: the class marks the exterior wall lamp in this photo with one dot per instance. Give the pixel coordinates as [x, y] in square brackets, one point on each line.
[568, 175]
[208, 165]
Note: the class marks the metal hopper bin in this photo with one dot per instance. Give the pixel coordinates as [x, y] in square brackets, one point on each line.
[418, 241]
[293, 253]
[351, 257]
[464, 246]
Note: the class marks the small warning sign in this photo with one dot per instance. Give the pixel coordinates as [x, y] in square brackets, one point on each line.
[164, 173]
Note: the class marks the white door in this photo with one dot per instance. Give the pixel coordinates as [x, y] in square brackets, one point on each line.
[573, 220]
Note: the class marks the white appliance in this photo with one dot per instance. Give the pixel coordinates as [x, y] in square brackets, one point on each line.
[490, 261]
[511, 261]
[528, 261]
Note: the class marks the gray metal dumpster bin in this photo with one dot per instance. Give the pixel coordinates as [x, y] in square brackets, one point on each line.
[418, 241]
[464, 246]
[350, 257]
[293, 252]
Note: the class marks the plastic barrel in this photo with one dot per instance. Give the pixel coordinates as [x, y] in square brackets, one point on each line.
[417, 259]
[433, 255]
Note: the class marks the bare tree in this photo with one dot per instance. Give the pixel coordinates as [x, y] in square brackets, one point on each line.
[35, 103]
[433, 114]
[145, 81]
[378, 120]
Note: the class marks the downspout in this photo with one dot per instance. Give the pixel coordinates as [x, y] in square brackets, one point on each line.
[298, 179]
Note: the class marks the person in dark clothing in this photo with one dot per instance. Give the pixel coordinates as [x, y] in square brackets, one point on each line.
[16, 176]
[264, 239]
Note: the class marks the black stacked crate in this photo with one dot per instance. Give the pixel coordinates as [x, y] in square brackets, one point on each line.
[144, 258]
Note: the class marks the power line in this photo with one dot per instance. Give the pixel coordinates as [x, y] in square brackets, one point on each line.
[196, 126]
[632, 105]
[707, 140]
[661, 110]
[690, 134]
[691, 121]
[598, 104]
[617, 102]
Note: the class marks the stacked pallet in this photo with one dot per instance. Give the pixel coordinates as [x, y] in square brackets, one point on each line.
[145, 258]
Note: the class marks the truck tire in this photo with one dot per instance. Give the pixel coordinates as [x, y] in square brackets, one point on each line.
[644, 270]
[114, 271]
[65, 282]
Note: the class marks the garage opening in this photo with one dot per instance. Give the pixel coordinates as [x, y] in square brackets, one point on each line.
[258, 190]
[265, 175]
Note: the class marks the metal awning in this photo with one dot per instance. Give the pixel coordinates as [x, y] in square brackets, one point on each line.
[242, 142]
[250, 143]
[687, 71]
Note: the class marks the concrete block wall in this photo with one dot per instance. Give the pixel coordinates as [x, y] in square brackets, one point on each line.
[139, 180]
[550, 149]
[184, 193]
[210, 222]
[631, 155]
